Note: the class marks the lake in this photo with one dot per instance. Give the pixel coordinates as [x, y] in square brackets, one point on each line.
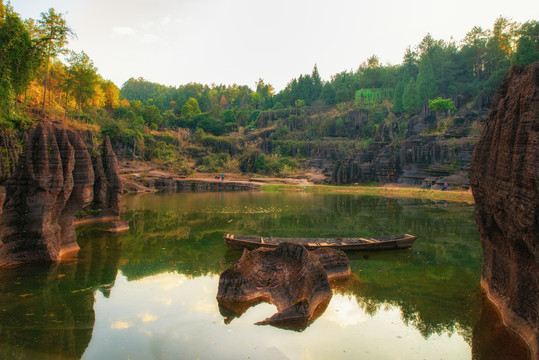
[150, 293]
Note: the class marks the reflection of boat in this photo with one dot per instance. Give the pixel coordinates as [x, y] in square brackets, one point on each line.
[391, 242]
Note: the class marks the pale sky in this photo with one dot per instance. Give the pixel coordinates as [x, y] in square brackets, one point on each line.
[174, 42]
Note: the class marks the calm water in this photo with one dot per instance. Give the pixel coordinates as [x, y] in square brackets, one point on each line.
[150, 293]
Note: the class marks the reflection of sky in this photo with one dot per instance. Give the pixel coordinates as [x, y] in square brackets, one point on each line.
[171, 316]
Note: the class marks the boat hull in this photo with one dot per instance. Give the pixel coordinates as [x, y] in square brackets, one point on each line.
[393, 242]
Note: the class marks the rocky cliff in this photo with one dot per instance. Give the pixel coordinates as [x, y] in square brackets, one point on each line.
[505, 182]
[45, 185]
[405, 150]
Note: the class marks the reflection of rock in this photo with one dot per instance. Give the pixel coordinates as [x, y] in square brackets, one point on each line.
[505, 183]
[53, 179]
[493, 340]
[50, 314]
[290, 277]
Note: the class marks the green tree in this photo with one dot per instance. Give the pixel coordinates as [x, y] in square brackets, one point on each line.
[527, 52]
[152, 116]
[440, 104]
[528, 43]
[328, 94]
[18, 58]
[82, 77]
[426, 83]
[190, 108]
[398, 106]
[260, 163]
[410, 62]
[317, 84]
[411, 101]
[54, 34]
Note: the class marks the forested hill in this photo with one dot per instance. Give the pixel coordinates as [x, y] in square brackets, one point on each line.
[363, 125]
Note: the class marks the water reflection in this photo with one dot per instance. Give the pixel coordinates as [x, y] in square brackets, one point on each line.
[47, 309]
[151, 293]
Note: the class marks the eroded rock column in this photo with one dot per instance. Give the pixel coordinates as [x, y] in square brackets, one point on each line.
[505, 182]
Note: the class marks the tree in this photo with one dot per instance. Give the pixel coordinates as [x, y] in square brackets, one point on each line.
[410, 62]
[317, 84]
[18, 59]
[190, 108]
[82, 77]
[440, 104]
[426, 83]
[528, 43]
[255, 99]
[411, 101]
[112, 95]
[398, 106]
[328, 94]
[476, 41]
[527, 52]
[54, 33]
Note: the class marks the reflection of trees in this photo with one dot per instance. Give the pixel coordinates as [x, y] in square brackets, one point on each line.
[434, 284]
[429, 305]
[53, 314]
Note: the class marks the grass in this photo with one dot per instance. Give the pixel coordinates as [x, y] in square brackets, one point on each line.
[391, 192]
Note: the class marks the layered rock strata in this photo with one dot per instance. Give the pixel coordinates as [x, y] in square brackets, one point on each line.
[505, 182]
[53, 179]
[295, 280]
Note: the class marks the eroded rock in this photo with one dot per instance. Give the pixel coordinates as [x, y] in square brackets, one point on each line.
[505, 183]
[295, 280]
[53, 179]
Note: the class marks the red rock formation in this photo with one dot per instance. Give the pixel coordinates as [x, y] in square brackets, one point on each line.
[290, 277]
[505, 182]
[54, 179]
[108, 184]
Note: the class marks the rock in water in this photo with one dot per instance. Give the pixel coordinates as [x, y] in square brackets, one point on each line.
[505, 183]
[295, 280]
[53, 179]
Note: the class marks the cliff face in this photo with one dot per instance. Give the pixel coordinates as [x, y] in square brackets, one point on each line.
[52, 180]
[505, 182]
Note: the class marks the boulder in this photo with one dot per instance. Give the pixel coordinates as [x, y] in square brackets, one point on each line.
[504, 177]
[295, 280]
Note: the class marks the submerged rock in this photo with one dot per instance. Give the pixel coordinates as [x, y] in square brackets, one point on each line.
[295, 280]
[505, 183]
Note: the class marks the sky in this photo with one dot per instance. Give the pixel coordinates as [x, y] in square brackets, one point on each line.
[174, 42]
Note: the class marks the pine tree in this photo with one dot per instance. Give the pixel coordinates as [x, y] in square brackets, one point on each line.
[410, 99]
[317, 84]
[426, 83]
[398, 107]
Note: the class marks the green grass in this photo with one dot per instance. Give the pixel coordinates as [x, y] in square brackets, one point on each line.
[391, 192]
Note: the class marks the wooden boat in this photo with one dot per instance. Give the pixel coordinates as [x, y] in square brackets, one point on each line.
[391, 242]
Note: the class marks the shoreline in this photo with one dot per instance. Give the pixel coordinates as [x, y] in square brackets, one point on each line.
[141, 178]
[388, 190]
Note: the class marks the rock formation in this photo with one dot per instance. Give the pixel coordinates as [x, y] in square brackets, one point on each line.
[52, 180]
[290, 277]
[505, 183]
